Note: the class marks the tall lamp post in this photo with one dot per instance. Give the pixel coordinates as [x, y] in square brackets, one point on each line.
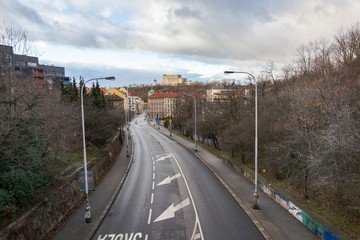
[127, 119]
[157, 116]
[195, 119]
[255, 204]
[87, 208]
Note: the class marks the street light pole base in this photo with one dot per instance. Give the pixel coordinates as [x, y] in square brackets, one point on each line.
[87, 213]
[88, 220]
[127, 150]
[255, 202]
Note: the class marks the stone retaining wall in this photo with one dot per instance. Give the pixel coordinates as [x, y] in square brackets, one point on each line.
[56, 207]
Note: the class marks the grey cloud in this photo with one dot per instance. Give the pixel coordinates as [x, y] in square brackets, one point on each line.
[67, 34]
[97, 35]
[186, 12]
[210, 30]
[15, 9]
[123, 76]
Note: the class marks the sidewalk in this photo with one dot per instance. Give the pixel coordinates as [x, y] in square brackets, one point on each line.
[100, 200]
[272, 220]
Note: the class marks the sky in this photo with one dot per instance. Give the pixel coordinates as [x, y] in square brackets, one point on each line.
[138, 41]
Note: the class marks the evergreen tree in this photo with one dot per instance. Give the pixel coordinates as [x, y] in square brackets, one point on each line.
[81, 83]
[73, 91]
[98, 97]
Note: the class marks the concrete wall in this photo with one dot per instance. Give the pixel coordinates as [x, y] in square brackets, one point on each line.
[56, 207]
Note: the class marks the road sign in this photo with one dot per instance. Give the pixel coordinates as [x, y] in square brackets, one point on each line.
[170, 121]
[90, 179]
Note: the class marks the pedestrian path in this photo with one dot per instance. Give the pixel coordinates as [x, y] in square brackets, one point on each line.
[75, 227]
[272, 220]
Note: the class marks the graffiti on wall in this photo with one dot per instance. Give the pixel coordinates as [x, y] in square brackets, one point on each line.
[295, 211]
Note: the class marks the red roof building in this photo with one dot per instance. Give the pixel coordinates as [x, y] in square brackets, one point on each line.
[162, 105]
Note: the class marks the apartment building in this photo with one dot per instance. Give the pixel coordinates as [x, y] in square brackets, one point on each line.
[17, 67]
[121, 93]
[6, 55]
[115, 101]
[162, 105]
[136, 104]
[54, 75]
[224, 95]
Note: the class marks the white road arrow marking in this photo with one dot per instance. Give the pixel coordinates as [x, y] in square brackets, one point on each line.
[163, 157]
[168, 179]
[170, 211]
[197, 236]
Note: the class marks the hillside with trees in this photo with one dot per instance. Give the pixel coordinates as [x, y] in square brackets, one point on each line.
[309, 127]
[40, 131]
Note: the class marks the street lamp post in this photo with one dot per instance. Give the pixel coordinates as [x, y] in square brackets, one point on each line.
[255, 204]
[127, 119]
[87, 208]
[195, 119]
[156, 113]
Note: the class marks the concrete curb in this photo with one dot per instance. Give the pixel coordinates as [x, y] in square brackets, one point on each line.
[111, 201]
[232, 193]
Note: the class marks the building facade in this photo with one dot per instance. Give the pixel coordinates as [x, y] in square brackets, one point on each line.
[162, 105]
[136, 104]
[173, 80]
[54, 75]
[225, 95]
[115, 101]
[17, 67]
[122, 93]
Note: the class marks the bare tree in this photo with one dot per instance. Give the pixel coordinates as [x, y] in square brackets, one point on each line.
[347, 44]
[18, 38]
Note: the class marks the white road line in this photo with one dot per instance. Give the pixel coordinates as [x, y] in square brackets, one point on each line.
[153, 175]
[154, 168]
[152, 198]
[149, 219]
[153, 185]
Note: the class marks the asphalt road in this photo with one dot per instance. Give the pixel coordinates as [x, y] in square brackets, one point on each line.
[170, 194]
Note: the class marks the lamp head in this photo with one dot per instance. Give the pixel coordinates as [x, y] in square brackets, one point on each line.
[112, 78]
[229, 72]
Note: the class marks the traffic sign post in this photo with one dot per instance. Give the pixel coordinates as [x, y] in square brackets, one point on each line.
[90, 179]
[170, 126]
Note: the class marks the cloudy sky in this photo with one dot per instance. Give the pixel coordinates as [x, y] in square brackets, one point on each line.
[139, 40]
